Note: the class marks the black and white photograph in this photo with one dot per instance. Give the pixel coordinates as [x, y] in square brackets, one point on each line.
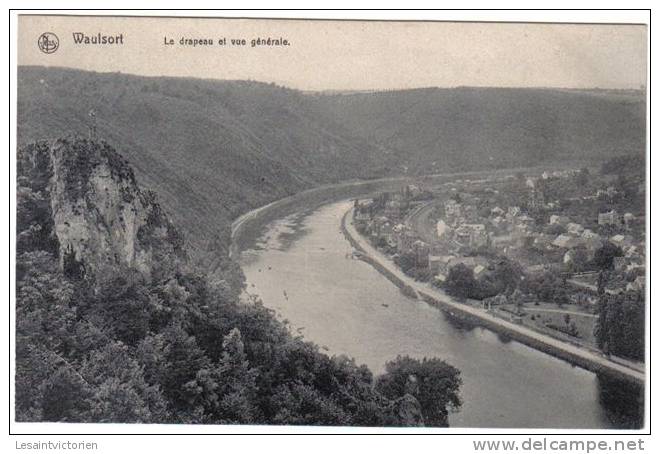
[350, 224]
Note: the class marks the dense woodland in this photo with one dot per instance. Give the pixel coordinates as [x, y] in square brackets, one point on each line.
[183, 347]
[212, 149]
[177, 348]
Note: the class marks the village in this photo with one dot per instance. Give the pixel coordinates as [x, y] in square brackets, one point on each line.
[539, 249]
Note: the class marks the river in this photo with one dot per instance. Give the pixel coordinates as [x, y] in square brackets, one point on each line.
[300, 268]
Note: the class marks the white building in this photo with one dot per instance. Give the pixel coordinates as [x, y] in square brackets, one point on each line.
[560, 220]
[574, 228]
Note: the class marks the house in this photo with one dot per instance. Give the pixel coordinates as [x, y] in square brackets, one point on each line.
[366, 205]
[439, 263]
[574, 228]
[452, 209]
[497, 300]
[621, 241]
[470, 213]
[470, 262]
[497, 211]
[393, 209]
[536, 197]
[543, 242]
[501, 241]
[513, 212]
[632, 252]
[526, 220]
[404, 241]
[609, 192]
[636, 285]
[421, 251]
[473, 235]
[556, 219]
[569, 256]
[536, 269]
[478, 271]
[590, 234]
[609, 218]
[362, 215]
[620, 263]
[592, 245]
[565, 242]
[382, 230]
[478, 265]
[628, 219]
[441, 228]
[520, 229]
[638, 267]
[381, 222]
[497, 221]
[411, 191]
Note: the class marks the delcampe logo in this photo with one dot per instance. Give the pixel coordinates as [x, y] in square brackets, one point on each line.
[48, 42]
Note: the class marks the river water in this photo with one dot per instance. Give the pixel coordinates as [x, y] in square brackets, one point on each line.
[300, 268]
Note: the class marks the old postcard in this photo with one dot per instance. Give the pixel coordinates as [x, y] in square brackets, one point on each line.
[433, 224]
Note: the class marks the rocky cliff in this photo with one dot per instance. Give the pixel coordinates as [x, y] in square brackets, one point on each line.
[102, 220]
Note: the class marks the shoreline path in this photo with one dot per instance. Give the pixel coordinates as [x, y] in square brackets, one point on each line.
[562, 349]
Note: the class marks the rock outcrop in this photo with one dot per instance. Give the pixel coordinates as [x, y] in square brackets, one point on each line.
[102, 219]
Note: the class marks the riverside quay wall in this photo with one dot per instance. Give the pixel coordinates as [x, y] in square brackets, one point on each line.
[542, 342]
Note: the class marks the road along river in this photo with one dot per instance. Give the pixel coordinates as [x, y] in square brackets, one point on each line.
[301, 268]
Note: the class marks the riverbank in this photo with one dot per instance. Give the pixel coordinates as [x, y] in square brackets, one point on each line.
[247, 227]
[571, 353]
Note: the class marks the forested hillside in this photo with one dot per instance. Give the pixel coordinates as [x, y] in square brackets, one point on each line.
[211, 150]
[437, 130]
[215, 149]
[112, 325]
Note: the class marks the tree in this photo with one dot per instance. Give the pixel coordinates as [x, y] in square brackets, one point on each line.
[432, 382]
[64, 396]
[460, 281]
[186, 359]
[34, 224]
[620, 326]
[118, 347]
[118, 390]
[601, 283]
[407, 261]
[304, 404]
[582, 178]
[507, 274]
[579, 260]
[560, 297]
[555, 229]
[124, 303]
[238, 381]
[604, 256]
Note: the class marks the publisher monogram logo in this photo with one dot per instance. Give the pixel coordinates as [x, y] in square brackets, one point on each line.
[48, 42]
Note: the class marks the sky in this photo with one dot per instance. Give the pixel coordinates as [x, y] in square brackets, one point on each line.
[351, 55]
